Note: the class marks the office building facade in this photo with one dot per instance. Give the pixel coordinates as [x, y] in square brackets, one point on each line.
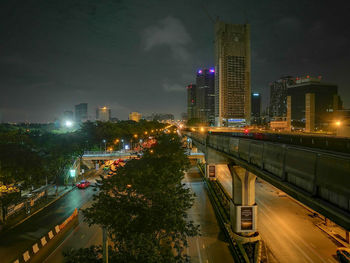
[232, 74]
[278, 97]
[312, 103]
[192, 102]
[205, 93]
[81, 112]
[135, 116]
[256, 108]
[103, 114]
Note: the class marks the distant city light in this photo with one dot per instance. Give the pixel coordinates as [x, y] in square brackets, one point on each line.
[255, 94]
[200, 71]
[212, 70]
[69, 123]
[127, 147]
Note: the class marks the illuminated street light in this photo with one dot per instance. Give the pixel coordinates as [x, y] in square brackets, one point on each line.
[135, 135]
[146, 132]
[69, 124]
[338, 123]
[72, 172]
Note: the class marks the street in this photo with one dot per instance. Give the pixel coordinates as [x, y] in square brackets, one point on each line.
[17, 240]
[287, 228]
[82, 236]
[211, 245]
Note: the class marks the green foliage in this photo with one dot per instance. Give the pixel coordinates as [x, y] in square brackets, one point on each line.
[144, 207]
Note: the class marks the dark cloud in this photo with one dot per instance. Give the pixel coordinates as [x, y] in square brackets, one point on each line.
[137, 55]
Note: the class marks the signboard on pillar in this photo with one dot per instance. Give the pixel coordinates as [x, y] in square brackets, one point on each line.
[211, 171]
[243, 218]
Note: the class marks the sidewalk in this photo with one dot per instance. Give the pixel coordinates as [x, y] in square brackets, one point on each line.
[39, 205]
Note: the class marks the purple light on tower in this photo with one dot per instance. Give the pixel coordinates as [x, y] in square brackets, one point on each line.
[212, 70]
[200, 71]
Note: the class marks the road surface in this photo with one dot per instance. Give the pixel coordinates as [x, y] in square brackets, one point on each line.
[211, 245]
[287, 228]
[81, 237]
[22, 237]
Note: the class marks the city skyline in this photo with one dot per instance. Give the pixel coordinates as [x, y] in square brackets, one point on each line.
[96, 66]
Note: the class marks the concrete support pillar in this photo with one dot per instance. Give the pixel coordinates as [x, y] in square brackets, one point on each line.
[310, 112]
[243, 209]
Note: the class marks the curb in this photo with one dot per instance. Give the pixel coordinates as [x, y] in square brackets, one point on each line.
[45, 241]
[40, 209]
[332, 236]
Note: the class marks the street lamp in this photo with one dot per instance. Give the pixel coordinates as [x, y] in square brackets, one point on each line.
[104, 141]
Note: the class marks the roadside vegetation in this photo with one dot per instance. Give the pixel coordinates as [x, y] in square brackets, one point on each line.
[32, 154]
[144, 209]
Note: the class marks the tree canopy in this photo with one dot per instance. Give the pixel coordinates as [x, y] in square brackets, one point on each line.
[144, 208]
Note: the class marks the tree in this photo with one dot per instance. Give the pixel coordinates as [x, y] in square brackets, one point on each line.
[144, 207]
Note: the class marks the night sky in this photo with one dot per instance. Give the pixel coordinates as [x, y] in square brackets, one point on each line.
[138, 55]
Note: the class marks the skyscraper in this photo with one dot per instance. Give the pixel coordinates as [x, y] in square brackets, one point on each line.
[278, 96]
[256, 104]
[191, 102]
[232, 69]
[205, 83]
[103, 114]
[81, 112]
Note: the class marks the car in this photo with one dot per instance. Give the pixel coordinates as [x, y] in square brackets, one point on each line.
[343, 254]
[83, 184]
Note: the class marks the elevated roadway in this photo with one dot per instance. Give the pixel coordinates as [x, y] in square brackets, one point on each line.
[319, 179]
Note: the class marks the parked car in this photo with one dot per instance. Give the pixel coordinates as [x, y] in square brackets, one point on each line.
[343, 254]
[83, 184]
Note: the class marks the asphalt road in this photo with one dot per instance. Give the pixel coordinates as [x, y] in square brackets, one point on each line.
[22, 237]
[211, 245]
[82, 236]
[287, 228]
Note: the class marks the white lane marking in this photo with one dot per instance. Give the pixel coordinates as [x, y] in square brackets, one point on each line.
[287, 238]
[288, 229]
[198, 250]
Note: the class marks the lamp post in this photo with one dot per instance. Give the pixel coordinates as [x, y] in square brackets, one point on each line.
[104, 141]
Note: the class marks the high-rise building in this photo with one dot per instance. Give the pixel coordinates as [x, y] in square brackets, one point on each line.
[81, 112]
[192, 102]
[256, 104]
[312, 103]
[278, 97]
[103, 114]
[135, 116]
[205, 87]
[232, 69]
